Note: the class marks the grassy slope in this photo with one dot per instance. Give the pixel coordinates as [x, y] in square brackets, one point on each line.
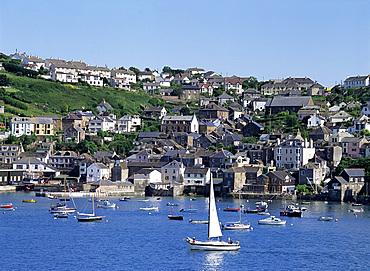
[55, 96]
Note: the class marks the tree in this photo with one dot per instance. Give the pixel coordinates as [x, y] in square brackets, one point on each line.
[147, 70]
[365, 132]
[167, 69]
[135, 70]
[251, 82]
[185, 110]
[291, 121]
[4, 80]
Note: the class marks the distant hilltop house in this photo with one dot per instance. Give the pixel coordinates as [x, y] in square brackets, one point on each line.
[357, 81]
[194, 71]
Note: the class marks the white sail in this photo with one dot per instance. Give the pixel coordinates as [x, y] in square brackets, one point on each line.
[214, 229]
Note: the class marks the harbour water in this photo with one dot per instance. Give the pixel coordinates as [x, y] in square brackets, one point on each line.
[130, 239]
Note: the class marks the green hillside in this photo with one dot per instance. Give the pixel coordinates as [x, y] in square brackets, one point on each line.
[28, 96]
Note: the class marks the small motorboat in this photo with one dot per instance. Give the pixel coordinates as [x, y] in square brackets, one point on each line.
[193, 199]
[64, 199]
[265, 212]
[125, 199]
[198, 221]
[172, 204]
[153, 208]
[29, 200]
[255, 211]
[229, 209]
[52, 197]
[261, 204]
[306, 203]
[272, 220]
[356, 210]
[143, 200]
[236, 226]
[62, 215]
[159, 198]
[7, 209]
[190, 210]
[325, 218]
[106, 205]
[6, 205]
[356, 204]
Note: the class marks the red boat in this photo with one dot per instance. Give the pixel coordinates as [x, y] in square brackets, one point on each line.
[6, 205]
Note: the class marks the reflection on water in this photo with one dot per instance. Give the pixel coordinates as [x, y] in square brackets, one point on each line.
[213, 260]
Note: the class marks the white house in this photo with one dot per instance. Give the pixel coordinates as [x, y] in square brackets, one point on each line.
[93, 80]
[234, 83]
[128, 124]
[341, 116]
[34, 60]
[21, 126]
[315, 121]
[259, 104]
[197, 176]
[129, 76]
[294, 153]
[97, 172]
[173, 172]
[33, 165]
[119, 83]
[101, 123]
[357, 81]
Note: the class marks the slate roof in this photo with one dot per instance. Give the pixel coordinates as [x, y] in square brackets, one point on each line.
[222, 154]
[178, 118]
[288, 101]
[150, 134]
[322, 130]
[356, 78]
[281, 174]
[196, 170]
[225, 96]
[351, 139]
[354, 172]
[340, 180]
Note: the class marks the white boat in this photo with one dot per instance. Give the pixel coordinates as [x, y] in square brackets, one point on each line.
[198, 221]
[107, 205]
[263, 213]
[153, 208]
[237, 225]
[143, 200]
[357, 210]
[272, 220]
[214, 231]
[324, 218]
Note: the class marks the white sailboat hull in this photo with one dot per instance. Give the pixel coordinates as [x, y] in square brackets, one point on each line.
[211, 245]
[149, 208]
[236, 226]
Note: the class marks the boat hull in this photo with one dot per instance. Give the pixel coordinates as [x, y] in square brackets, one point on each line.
[29, 200]
[236, 226]
[211, 245]
[90, 219]
[198, 221]
[188, 210]
[291, 214]
[149, 209]
[231, 210]
[176, 217]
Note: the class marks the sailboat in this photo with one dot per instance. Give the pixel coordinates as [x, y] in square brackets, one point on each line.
[237, 225]
[89, 217]
[214, 231]
[175, 217]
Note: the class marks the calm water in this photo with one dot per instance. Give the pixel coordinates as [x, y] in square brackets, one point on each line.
[31, 239]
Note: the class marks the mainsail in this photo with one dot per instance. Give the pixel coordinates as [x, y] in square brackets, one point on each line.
[214, 229]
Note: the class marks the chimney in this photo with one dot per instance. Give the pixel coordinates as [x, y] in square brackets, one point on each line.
[311, 143]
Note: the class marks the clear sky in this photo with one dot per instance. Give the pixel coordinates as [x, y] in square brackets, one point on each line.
[324, 40]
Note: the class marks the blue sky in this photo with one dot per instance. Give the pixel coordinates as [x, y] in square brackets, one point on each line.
[324, 40]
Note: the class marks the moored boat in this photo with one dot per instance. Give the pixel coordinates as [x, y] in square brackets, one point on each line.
[107, 205]
[6, 205]
[89, 217]
[325, 218]
[176, 217]
[143, 200]
[29, 200]
[229, 209]
[237, 225]
[190, 210]
[172, 204]
[152, 208]
[198, 221]
[272, 220]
